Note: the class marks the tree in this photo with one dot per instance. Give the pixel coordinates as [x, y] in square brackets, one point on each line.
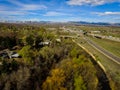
[7, 42]
[38, 39]
[27, 54]
[79, 83]
[46, 55]
[30, 40]
[55, 81]
[14, 65]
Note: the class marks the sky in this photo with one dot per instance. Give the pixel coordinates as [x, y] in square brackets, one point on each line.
[60, 10]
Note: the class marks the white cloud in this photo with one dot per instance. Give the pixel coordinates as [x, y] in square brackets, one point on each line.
[52, 13]
[106, 13]
[33, 7]
[90, 2]
[21, 9]
[27, 6]
[16, 13]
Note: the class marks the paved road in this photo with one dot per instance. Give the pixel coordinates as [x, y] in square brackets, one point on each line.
[103, 51]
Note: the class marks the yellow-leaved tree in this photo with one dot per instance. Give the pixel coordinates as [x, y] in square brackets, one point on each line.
[55, 81]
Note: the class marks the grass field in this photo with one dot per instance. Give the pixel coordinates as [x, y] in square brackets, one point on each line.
[112, 46]
[112, 68]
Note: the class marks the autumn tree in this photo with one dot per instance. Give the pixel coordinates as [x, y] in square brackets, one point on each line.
[55, 81]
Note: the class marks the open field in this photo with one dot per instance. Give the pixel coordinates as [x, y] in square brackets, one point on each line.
[112, 46]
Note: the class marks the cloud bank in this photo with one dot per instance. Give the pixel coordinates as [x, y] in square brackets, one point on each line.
[90, 2]
[107, 13]
[28, 6]
[53, 13]
[19, 8]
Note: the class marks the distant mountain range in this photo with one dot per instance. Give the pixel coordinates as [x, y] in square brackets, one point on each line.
[69, 22]
[94, 23]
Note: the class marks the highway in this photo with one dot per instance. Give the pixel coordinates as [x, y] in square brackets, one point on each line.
[100, 49]
[103, 51]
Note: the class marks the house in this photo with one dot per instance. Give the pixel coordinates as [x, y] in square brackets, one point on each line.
[95, 32]
[14, 55]
[44, 43]
[4, 54]
[99, 37]
[58, 40]
[9, 54]
[16, 48]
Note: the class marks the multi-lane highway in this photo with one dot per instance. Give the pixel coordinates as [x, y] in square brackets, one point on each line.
[103, 51]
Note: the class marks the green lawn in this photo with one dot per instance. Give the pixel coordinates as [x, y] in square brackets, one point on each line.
[112, 46]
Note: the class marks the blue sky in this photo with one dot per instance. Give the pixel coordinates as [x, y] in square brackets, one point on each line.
[61, 10]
